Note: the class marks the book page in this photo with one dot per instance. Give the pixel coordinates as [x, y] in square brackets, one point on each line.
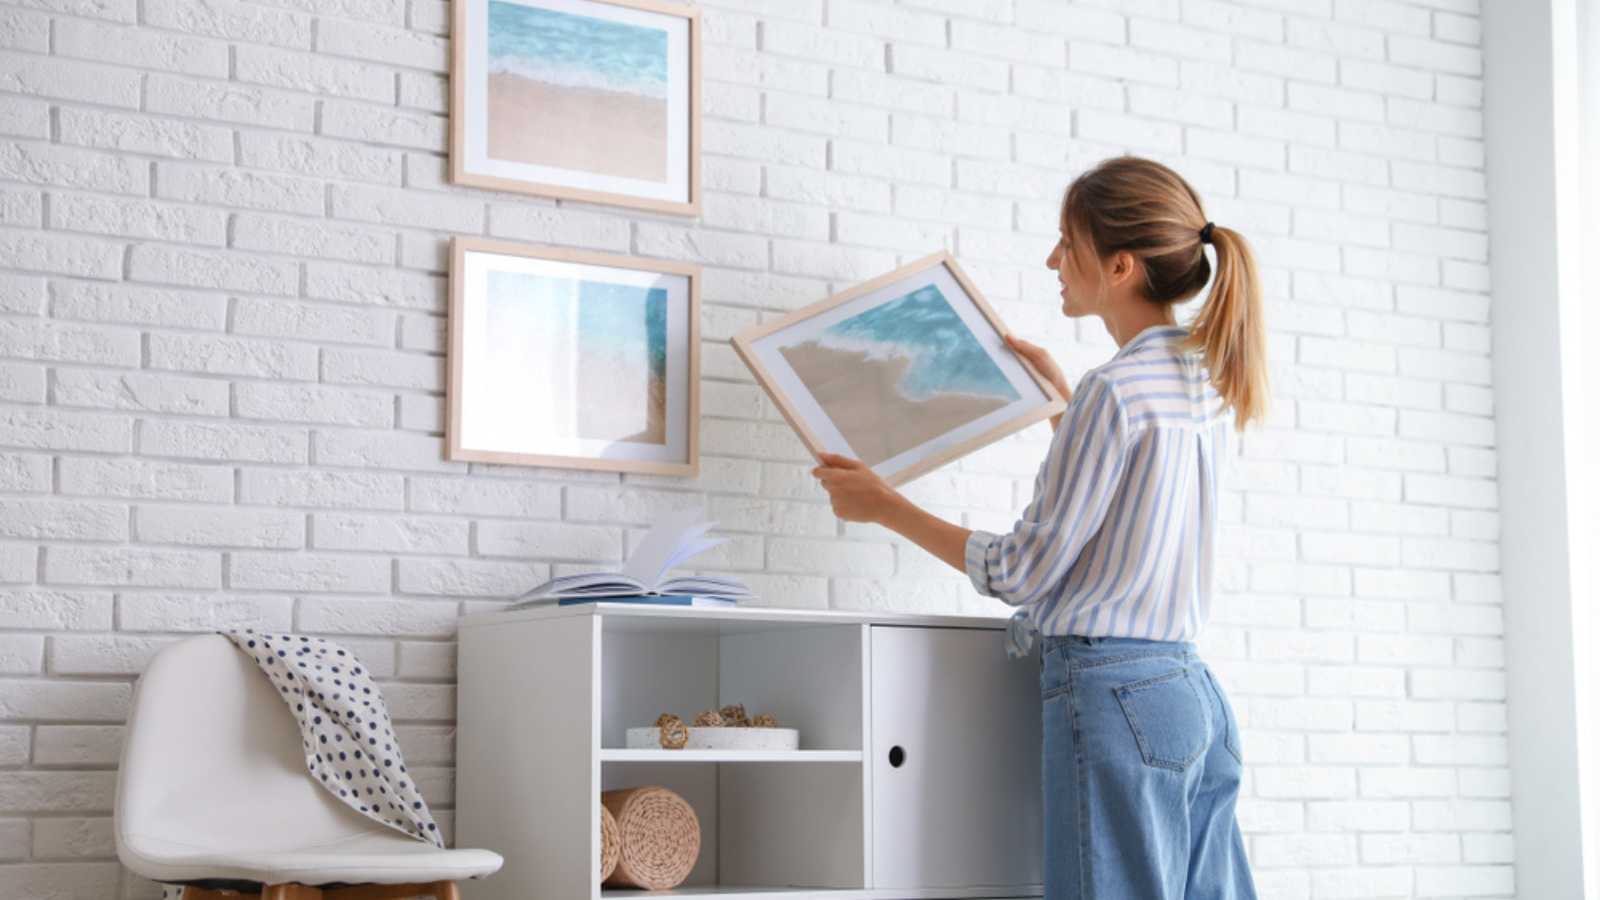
[661, 547]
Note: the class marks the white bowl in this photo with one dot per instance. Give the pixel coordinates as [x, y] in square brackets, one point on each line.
[719, 738]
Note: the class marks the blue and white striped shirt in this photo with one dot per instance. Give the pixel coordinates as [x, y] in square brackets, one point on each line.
[1119, 537]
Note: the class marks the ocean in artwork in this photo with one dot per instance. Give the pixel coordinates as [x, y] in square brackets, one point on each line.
[584, 359]
[577, 92]
[898, 375]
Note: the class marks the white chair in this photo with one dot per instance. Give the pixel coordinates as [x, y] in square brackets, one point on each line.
[213, 793]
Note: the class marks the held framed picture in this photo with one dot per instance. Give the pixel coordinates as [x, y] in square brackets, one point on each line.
[573, 359]
[592, 100]
[905, 372]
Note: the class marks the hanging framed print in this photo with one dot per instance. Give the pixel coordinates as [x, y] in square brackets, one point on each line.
[593, 100]
[905, 372]
[573, 359]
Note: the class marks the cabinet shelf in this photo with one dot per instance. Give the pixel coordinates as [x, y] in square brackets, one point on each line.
[617, 754]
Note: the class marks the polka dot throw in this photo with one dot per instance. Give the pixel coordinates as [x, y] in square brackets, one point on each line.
[349, 741]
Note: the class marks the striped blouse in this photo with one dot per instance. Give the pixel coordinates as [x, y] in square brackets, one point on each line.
[1119, 536]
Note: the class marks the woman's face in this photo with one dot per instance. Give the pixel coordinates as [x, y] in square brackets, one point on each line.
[1080, 286]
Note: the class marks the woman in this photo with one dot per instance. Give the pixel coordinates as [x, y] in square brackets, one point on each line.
[1112, 560]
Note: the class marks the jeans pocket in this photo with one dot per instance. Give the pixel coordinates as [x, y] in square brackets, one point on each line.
[1054, 679]
[1231, 739]
[1168, 717]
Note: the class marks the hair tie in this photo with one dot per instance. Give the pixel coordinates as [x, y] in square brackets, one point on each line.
[1205, 233]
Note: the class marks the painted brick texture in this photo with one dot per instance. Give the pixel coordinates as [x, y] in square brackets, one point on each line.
[223, 227]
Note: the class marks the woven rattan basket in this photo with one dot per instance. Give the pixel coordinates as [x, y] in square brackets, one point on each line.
[660, 837]
[610, 843]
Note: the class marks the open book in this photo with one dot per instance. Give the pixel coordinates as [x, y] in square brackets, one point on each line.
[676, 537]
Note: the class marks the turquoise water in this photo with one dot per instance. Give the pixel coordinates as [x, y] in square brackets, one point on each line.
[609, 317]
[945, 354]
[577, 51]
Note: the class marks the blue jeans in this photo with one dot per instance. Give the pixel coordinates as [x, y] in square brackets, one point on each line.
[1141, 770]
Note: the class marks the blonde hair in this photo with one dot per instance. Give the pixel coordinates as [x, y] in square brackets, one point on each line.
[1146, 209]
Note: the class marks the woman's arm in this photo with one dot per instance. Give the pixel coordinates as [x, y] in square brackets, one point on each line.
[945, 540]
[861, 495]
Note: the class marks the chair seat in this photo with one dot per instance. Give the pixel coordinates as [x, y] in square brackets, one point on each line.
[360, 859]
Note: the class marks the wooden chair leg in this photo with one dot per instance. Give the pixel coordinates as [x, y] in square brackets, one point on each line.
[193, 892]
[289, 892]
[439, 890]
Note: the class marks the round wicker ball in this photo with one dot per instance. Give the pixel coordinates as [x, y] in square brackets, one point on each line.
[610, 843]
[660, 837]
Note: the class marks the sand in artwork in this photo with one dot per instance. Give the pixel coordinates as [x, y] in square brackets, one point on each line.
[576, 92]
[860, 395]
[577, 128]
[899, 375]
[573, 358]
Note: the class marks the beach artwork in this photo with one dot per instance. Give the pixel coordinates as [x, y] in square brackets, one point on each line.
[905, 373]
[577, 92]
[589, 99]
[571, 358]
[912, 362]
[592, 353]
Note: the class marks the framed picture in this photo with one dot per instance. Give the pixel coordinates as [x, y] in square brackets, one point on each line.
[594, 100]
[573, 359]
[905, 372]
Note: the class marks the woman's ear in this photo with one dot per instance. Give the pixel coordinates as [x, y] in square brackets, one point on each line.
[1124, 265]
[1119, 268]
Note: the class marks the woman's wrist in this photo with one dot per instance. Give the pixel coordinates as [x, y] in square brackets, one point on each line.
[892, 512]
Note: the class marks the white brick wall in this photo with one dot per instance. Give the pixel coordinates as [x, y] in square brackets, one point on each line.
[222, 245]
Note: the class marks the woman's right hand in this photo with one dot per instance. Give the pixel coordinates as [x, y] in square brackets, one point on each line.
[1045, 365]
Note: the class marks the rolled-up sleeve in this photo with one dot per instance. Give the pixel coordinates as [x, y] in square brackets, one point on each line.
[977, 559]
[1073, 490]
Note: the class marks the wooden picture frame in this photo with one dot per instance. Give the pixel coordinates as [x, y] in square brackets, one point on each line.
[483, 427]
[837, 336]
[474, 95]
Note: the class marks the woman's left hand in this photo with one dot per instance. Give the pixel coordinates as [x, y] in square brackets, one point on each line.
[858, 493]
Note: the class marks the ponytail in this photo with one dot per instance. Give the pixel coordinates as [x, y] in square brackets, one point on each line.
[1144, 208]
[1228, 331]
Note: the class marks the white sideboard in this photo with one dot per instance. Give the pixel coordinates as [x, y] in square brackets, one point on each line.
[917, 774]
